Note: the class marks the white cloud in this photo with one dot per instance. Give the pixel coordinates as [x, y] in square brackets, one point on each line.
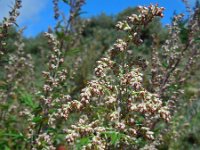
[30, 9]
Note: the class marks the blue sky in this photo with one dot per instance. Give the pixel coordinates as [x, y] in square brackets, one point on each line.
[37, 15]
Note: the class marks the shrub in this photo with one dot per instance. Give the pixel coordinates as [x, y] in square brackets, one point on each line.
[129, 103]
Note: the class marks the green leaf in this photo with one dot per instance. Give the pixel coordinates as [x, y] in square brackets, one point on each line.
[82, 142]
[164, 64]
[114, 136]
[197, 39]
[12, 135]
[27, 100]
[173, 87]
[37, 119]
[2, 83]
[67, 38]
[60, 35]
[72, 52]
[7, 148]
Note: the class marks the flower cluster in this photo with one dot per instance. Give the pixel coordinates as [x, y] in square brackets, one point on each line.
[103, 63]
[19, 76]
[7, 23]
[45, 141]
[56, 106]
[118, 90]
[171, 67]
[94, 88]
[137, 22]
[56, 9]
[82, 129]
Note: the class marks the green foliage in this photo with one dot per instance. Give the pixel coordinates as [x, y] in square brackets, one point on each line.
[114, 137]
[27, 99]
[185, 130]
[82, 142]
